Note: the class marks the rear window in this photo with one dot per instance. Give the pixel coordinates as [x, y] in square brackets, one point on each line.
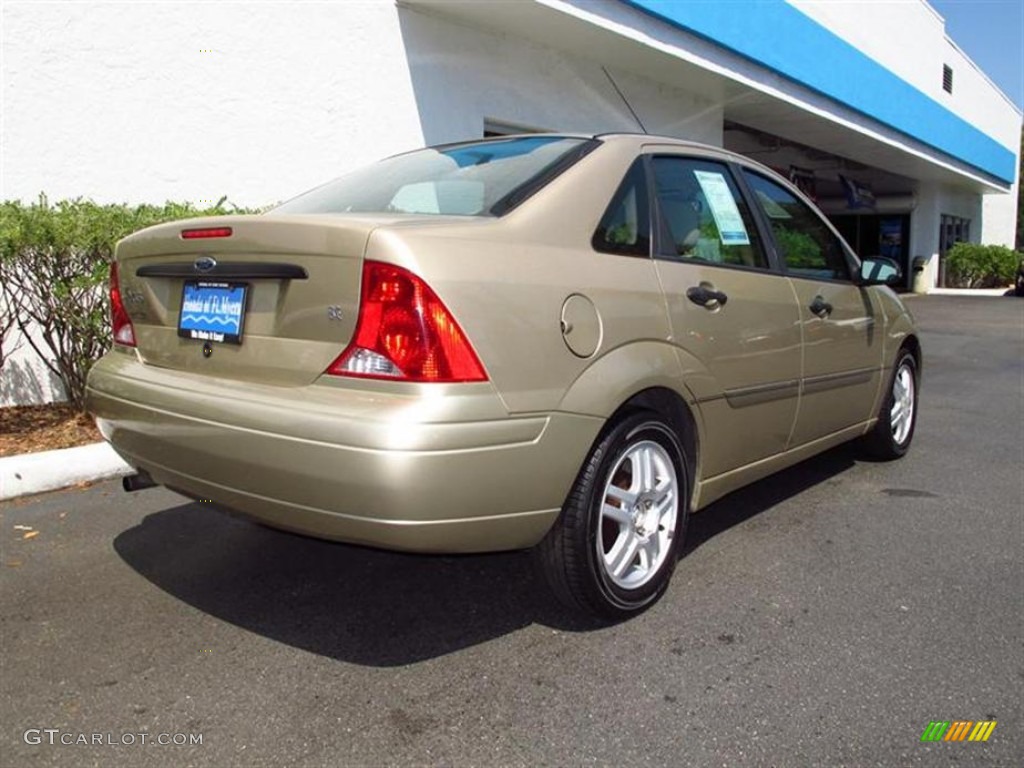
[473, 179]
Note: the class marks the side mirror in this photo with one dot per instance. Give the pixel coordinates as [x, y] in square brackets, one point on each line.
[878, 270]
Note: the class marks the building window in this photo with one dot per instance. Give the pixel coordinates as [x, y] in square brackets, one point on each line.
[947, 78]
[952, 230]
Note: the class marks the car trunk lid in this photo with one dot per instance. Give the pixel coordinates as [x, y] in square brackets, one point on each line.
[297, 279]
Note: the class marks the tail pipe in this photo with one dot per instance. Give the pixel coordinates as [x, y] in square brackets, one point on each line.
[137, 482]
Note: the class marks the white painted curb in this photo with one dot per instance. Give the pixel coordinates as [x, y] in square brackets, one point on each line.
[47, 471]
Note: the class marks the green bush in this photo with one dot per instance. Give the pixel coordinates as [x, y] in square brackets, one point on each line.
[969, 265]
[54, 264]
[800, 250]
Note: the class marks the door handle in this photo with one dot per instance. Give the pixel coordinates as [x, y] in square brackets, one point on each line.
[820, 307]
[706, 296]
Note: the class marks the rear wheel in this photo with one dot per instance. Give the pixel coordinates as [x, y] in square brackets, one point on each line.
[890, 439]
[613, 549]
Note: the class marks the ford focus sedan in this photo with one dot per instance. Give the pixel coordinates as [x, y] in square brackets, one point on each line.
[565, 343]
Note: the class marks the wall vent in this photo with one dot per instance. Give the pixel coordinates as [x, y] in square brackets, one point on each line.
[947, 78]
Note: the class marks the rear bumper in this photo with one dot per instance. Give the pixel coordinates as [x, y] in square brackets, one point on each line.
[428, 470]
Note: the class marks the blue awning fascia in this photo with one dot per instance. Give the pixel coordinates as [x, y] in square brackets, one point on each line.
[779, 37]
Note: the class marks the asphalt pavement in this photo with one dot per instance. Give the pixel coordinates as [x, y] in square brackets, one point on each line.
[824, 616]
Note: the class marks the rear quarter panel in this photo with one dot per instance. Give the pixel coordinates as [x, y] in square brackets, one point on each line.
[505, 281]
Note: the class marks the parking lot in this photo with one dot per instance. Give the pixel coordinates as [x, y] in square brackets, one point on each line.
[823, 616]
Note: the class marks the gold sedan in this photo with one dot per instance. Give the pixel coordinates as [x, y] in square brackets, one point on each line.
[561, 342]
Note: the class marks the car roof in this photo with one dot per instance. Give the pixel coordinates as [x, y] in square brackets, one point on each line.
[644, 139]
[621, 137]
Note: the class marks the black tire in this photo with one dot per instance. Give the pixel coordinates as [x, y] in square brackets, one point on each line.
[888, 441]
[568, 557]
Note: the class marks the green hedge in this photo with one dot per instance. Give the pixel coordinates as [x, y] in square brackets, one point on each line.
[969, 265]
[54, 263]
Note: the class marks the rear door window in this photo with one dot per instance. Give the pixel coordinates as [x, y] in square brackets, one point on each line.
[705, 218]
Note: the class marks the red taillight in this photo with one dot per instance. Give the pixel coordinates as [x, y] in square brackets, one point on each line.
[194, 234]
[124, 333]
[404, 332]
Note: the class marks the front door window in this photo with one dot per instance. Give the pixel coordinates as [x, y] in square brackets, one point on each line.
[806, 246]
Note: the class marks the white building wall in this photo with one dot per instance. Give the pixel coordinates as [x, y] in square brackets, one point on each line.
[909, 38]
[24, 377]
[463, 75]
[145, 102]
[935, 201]
[999, 218]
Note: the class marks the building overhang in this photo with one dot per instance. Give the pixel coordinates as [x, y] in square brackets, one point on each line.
[701, 48]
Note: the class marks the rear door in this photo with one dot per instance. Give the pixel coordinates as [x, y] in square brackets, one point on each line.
[729, 308]
[842, 328]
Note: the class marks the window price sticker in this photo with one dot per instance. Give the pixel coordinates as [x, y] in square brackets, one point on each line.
[731, 229]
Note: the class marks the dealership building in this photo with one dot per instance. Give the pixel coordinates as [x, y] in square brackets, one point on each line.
[869, 107]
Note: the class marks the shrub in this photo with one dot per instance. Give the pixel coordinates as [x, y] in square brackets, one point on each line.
[800, 250]
[54, 264]
[969, 265]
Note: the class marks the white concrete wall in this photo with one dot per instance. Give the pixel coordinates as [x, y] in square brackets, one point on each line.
[24, 378]
[462, 75]
[999, 218]
[144, 102]
[933, 202]
[909, 38]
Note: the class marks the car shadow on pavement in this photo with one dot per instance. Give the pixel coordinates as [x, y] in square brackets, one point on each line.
[755, 499]
[378, 608]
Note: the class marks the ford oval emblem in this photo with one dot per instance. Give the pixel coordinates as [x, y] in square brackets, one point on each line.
[205, 263]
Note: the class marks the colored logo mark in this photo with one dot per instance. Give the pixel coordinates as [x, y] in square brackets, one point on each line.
[958, 730]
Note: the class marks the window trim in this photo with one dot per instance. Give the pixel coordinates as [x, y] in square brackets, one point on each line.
[523, 192]
[764, 228]
[659, 234]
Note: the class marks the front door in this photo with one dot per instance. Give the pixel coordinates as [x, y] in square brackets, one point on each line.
[842, 329]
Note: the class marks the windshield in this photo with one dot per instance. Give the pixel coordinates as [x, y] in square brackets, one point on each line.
[475, 179]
